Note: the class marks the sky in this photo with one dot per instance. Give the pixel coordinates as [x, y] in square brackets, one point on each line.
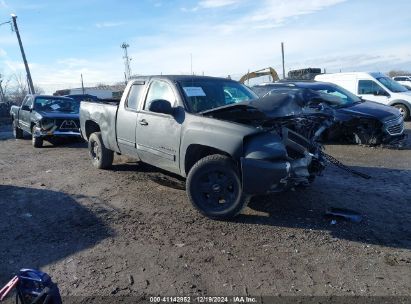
[64, 39]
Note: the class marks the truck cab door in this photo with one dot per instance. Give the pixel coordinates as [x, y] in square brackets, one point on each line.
[127, 120]
[371, 90]
[158, 134]
[25, 113]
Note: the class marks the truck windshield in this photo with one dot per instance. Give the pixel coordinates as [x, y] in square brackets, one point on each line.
[392, 85]
[49, 104]
[203, 95]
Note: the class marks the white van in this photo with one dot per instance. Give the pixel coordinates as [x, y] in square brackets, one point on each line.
[373, 86]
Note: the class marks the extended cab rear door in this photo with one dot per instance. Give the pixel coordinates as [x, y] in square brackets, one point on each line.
[127, 119]
[158, 135]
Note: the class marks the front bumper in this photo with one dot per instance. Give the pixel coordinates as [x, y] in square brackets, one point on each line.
[263, 176]
[260, 176]
[44, 133]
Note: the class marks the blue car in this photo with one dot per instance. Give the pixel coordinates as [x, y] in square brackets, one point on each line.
[357, 120]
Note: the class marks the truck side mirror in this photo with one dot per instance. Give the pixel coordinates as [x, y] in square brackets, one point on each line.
[25, 108]
[161, 106]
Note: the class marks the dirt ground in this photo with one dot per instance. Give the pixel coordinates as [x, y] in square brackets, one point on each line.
[132, 231]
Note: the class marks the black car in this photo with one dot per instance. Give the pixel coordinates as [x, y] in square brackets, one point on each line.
[46, 118]
[357, 120]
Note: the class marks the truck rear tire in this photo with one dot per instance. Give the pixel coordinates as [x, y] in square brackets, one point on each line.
[17, 132]
[101, 157]
[214, 187]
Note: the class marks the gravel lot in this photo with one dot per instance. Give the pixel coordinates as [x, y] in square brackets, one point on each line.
[132, 231]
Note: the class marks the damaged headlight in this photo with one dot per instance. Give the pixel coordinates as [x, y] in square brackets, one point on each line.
[46, 123]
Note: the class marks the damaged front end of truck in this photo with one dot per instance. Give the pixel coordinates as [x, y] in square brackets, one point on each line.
[286, 152]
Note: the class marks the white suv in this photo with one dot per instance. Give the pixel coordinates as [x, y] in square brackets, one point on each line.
[404, 80]
[374, 87]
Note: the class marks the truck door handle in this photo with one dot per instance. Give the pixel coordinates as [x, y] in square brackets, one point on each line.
[143, 122]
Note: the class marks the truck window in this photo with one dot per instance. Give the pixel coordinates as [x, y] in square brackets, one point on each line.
[134, 96]
[159, 90]
[368, 87]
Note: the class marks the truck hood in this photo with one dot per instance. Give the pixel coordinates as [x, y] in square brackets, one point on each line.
[408, 93]
[56, 115]
[372, 110]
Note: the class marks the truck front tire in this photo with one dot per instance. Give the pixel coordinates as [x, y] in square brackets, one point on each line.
[36, 141]
[101, 157]
[214, 187]
[17, 132]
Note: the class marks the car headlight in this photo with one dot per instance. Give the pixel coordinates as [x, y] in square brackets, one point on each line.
[47, 123]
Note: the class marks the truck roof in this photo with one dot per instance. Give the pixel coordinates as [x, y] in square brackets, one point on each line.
[180, 77]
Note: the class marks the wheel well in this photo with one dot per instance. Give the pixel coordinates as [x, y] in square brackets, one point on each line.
[401, 103]
[91, 127]
[196, 152]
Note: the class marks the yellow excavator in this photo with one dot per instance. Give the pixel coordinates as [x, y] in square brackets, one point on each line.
[263, 72]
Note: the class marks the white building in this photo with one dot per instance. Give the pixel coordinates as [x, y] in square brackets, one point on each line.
[103, 91]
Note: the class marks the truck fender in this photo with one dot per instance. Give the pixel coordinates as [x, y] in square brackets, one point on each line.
[198, 144]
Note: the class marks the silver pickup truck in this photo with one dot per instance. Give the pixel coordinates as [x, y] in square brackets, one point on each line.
[215, 132]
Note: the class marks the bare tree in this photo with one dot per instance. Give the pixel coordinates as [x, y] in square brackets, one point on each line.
[20, 89]
[394, 73]
[101, 85]
[15, 88]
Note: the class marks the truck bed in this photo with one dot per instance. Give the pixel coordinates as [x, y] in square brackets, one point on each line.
[104, 114]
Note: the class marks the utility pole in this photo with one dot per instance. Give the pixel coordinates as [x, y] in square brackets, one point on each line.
[126, 61]
[3, 98]
[82, 83]
[191, 63]
[29, 80]
[282, 54]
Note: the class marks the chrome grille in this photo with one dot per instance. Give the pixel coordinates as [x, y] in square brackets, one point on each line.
[395, 126]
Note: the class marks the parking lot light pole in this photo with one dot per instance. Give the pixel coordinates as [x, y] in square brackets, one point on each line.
[30, 81]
